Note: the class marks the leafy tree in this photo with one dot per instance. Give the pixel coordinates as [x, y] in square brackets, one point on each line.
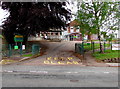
[29, 18]
[96, 16]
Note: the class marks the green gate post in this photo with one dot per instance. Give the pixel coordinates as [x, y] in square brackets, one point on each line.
[93, 46]
[76, 47]
[104, 47]
[80, 48]
[21, 49]
[10, 50]
[35, 49]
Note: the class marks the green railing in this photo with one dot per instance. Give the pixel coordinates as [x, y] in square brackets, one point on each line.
[8, 49]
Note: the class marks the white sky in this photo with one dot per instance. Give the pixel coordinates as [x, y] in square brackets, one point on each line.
[3, 15]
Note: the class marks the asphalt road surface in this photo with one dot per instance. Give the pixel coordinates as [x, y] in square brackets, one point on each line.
[55, 51]
[58, 76]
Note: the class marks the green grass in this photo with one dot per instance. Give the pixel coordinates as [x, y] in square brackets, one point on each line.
[27, 55]
[107, 54]
[96, 46]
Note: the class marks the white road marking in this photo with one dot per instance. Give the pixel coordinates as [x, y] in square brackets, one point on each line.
[71, 72]
[9, 71]
[68, 72]
[42, 72]
[106, 72]
[39, 71]
[32, 71]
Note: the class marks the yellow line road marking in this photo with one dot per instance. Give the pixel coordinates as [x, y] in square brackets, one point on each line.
[49, 58]
[60, 62]
[75, 62]
[55, 58]
[69, 62]
[69, 58]
[52, 62]
[46, 62]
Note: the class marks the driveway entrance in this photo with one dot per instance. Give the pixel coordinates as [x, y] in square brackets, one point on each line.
[58, 53]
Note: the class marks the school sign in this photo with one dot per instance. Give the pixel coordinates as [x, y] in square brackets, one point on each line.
[115, 46]
[18, 38]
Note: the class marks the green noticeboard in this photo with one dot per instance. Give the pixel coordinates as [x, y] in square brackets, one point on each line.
[15, 47]
[18, 38]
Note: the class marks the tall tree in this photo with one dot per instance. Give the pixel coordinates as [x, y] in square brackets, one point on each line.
[29, 18]
[93, 16]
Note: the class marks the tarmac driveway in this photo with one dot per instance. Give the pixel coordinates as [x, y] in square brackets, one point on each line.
[58, 53]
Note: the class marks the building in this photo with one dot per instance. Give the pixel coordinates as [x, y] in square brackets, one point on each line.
[73, 32]
[48, 35]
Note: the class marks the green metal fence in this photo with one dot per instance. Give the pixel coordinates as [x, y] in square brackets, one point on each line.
[8, 49]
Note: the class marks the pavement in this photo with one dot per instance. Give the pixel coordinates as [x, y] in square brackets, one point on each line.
[61, 53]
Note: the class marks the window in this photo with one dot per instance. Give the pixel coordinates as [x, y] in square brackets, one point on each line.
[51, 33]
[71, 27]
[56, 33]
[77, 30]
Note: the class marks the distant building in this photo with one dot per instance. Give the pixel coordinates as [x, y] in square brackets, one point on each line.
[48, 35]
[51, 35]
[73, 32]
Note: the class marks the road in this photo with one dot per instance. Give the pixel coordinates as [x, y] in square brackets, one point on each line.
[58, 76]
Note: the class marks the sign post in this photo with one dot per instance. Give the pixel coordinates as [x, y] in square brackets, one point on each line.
[18, 38]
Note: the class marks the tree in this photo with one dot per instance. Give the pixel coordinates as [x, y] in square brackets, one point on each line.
[93, 17]
[29, 18]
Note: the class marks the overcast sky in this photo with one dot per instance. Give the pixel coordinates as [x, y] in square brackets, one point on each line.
[3, 15]
[72, 7]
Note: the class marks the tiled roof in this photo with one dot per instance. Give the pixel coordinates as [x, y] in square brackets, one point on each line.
[73, 23]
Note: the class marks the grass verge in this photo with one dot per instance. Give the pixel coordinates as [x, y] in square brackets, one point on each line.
[27, 55]
[96, 46]
[106, 55]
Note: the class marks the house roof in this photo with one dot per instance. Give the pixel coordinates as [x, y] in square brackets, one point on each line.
[73, 23]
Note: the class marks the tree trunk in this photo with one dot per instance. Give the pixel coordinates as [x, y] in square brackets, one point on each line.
[101, 48]
[89, 37]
